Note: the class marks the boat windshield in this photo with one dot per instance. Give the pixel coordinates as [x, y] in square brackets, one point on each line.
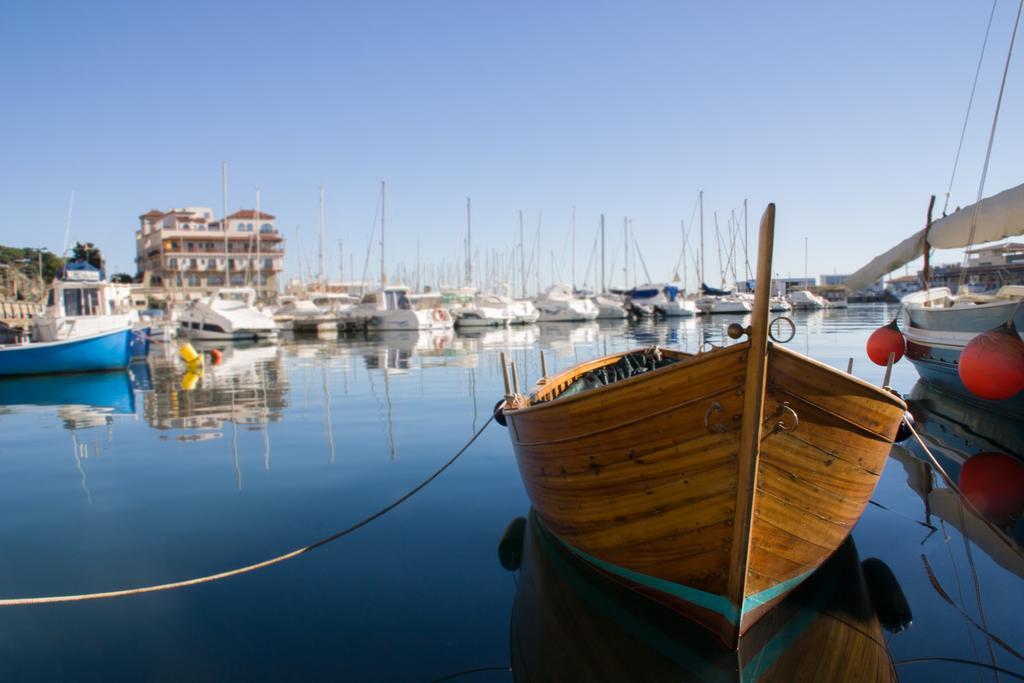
[81, 302]
[396, 300]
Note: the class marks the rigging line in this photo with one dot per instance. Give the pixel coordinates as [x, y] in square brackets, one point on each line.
[926, 525]
[369, 244]
[970, 103]
[686, 237]
[10, 602]
[959, 584]
[991, 139]
[957, 660]
[949, 601]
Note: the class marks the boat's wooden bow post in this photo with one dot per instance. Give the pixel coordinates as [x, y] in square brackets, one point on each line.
[751, 426]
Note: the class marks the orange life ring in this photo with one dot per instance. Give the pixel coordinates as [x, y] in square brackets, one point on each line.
[438, 314]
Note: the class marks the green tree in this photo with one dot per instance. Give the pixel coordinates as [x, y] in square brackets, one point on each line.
[89, 253]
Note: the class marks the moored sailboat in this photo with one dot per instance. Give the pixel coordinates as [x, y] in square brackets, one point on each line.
[713, 483]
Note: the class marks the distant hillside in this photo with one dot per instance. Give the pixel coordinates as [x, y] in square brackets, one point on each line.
[19, 272]
[25, 260]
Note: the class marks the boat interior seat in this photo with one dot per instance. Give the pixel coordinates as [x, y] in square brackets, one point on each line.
[628, 365]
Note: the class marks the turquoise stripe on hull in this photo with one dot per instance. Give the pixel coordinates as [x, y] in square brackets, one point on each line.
[108, 351]
[709, 601]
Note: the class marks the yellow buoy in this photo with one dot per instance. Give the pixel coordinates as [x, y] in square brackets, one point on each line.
[189, 354]
[189, 380]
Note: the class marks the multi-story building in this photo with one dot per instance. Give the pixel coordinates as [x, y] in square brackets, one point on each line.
[185, 253]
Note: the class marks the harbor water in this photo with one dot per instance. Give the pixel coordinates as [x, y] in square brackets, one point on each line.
[119, 480]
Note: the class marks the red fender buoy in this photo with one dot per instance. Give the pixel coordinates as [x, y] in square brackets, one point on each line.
[885, 340]
[992, 364]
[994, 483]
[216, 356]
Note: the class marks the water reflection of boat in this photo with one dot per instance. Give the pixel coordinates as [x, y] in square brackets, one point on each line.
[248, 386]
[572, 623]
[956, 431]
[100, 392]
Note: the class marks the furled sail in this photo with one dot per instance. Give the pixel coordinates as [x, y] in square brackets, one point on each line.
[999, 216]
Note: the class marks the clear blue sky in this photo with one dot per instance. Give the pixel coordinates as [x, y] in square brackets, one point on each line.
[846, 115]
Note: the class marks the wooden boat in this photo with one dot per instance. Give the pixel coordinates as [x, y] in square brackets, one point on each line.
[571, 623]
[714, 483]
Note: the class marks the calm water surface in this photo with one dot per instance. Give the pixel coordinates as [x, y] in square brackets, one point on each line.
[109, 484]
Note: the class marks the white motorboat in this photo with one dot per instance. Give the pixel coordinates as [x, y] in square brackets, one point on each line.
[228, 313]
[523, 311]
[730, 303]
[610, 307]
[392, 308]
[778, 304]
[559, 304]
[665, 299]
[487, 310]
[303, 315]
[805, 300]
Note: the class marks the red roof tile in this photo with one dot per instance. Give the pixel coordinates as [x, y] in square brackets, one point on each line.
[250, 214]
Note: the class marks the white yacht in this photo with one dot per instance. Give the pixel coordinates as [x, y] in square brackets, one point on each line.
[559, 304]
[665, 299]
[778, 304]
[610, 307]
[394, 309]
[729, 303]
[723, 301]
[486, 310]
[228, 313]
[804, 300]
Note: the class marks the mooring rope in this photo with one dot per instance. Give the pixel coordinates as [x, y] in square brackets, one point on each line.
[12, 602]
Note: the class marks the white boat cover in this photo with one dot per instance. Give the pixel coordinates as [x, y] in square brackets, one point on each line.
[999, 216]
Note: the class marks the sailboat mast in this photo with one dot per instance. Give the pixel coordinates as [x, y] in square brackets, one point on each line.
[682, 227]
[522, 255]
[259, 261]
[574, 249]
[746, 244]
[603, 287]
[469, 245]
[224, 223]
[322, 272]
[701, 201]
[383, 205]
[625, 245]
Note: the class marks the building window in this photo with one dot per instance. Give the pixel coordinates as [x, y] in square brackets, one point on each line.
[193, 264]
[215, 280]
[237, 280]
[172, 263]
[194, 281]
[184, 226]
[266, 227]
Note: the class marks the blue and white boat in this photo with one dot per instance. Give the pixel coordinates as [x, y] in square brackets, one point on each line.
[664, 299]
[85, 325]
